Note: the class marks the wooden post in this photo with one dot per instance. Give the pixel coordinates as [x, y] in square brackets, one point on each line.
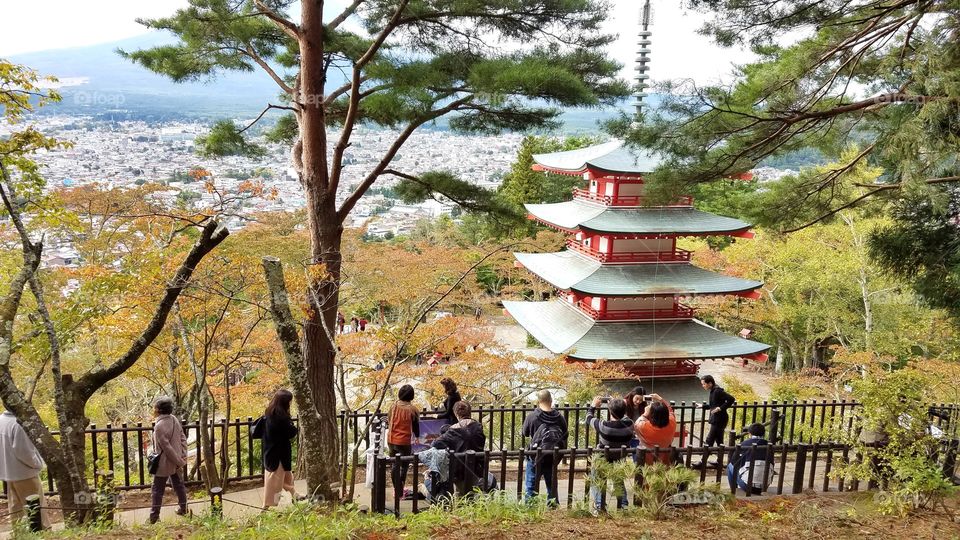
[32, 510]
[106, 502]
[800, 469]
[773, 431]
[950, 459]
[216, 502]
[379, 498]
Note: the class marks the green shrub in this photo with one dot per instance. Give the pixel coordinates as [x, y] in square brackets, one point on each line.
[891, 443]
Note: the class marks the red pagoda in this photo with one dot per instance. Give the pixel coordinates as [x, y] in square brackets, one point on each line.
[622, 280]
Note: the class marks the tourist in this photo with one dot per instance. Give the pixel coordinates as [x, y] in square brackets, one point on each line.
[656, 429]
[341, 321]
[453, 396]
[404, 424]
[20, 465]
[278, 431]
[747, 456]
[547, 429]
[463, 436]
[614, 434]
[478, 313]
[717, 403]
[170, 446]
[635, 402]
[362, 323]
[635, 406]
[354, 324]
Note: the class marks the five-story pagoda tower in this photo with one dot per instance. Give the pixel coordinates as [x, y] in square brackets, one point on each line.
[622, 279]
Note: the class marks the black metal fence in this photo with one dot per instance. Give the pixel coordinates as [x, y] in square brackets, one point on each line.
[123, 448]
[796, 468]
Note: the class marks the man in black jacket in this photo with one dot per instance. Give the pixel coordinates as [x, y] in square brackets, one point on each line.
[718, 403]
[547, 429]
[465, 435]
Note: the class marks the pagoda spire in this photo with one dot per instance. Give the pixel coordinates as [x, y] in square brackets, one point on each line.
[643, 54]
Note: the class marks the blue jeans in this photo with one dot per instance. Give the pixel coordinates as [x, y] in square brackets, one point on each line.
[733, 478]
[597, 491]
[547, 472]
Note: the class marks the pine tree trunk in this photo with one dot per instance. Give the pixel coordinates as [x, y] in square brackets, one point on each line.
[320, 447]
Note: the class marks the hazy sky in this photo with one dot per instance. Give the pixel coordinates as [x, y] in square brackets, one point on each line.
[678, 52]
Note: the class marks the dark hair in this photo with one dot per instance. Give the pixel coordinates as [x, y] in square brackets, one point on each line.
[405, 393]
[163, 405]
[279, 406]
[617, 408]
[461, 409]
[659, 414]
[633, 410]
[708, 379]
[756, 429]
[449, 386]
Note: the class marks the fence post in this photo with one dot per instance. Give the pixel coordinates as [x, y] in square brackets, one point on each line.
[106, 495]
[800, 469]
[216, 502]
[773, 432]
[379, 498]
[32, 510]
[950, 459]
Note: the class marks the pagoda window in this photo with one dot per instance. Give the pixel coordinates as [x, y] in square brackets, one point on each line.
[596, 303]
[631, 189]
[593, 186]
[611, 189]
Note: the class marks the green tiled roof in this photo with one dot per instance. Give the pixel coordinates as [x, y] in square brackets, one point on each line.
[611, 156]
[655, 220]
[569, 270]
[565, 330]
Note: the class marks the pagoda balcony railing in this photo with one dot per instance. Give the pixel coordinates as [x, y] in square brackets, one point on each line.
[678, 312]
[623, 200]
[677, 255]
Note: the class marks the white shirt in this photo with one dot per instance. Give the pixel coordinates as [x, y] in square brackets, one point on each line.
[19, 458]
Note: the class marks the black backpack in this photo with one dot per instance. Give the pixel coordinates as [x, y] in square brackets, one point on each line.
[547, 437]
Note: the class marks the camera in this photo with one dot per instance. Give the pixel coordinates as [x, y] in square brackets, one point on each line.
[648, 398]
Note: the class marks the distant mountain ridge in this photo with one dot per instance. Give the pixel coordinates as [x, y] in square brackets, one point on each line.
[106, 85]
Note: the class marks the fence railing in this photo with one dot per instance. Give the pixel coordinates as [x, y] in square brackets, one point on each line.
[795, 468]
[123, 448]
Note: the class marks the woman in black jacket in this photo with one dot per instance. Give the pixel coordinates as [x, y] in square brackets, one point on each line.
[453, 396]
[278, 430]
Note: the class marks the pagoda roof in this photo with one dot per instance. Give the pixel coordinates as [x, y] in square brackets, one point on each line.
[569, 270]
[611, 157]
[578, 214]
[563, 329]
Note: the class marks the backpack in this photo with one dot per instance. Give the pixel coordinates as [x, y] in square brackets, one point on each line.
[258, 427]
[547, 437]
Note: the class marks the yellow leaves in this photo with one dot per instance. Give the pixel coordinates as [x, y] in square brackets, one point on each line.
[199, 173]
[318, 273]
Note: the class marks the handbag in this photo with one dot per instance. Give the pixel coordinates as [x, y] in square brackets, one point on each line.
[153, 462]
